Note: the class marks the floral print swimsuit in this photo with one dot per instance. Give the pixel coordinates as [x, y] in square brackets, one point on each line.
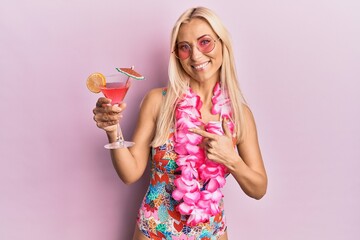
[158, 218]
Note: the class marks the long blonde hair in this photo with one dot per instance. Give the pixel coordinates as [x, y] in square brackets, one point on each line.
[179, 80]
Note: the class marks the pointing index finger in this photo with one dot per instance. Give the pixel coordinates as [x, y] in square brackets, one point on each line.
[203, 133]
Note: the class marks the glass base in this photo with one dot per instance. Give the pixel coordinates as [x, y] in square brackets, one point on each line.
[119, 144]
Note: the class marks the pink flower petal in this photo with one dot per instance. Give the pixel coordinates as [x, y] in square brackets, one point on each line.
[214, 209]
[212, 185]
[216, 196]
[221, 181]
[180, 149]
[184, 208]
[191, 149]
[194, 138]
[205, 196]
[191, 198]
[177, 194]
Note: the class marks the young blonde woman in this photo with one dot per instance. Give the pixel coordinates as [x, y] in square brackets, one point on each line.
[197, 131]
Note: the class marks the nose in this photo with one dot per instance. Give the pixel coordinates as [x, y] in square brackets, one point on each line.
[195, 53]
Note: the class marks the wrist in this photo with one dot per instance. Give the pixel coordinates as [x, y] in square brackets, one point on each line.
[234, 164]
[112, 136]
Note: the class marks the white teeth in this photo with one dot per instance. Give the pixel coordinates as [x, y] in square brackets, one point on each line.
[201, 66]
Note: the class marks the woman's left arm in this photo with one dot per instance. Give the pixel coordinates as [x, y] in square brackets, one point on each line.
[248, 167]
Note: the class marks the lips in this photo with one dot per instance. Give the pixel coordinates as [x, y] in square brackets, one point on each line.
[200, 66]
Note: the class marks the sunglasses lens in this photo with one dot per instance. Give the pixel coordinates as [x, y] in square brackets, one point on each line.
[206, 44]
[183, 50]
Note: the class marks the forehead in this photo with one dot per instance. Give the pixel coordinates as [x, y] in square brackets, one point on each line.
[194, 29]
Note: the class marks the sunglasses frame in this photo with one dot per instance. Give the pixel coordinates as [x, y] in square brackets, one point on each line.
[191, 48]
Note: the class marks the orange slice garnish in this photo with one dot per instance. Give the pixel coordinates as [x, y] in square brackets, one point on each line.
[95, 82]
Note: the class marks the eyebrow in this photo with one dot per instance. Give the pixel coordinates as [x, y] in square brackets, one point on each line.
[208, 35]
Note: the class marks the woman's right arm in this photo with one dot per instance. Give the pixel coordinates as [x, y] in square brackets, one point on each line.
[130, 163]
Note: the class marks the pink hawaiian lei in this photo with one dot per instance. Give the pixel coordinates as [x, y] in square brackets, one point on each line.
[199, 201]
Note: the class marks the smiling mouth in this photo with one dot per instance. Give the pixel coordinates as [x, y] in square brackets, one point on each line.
[201, 66]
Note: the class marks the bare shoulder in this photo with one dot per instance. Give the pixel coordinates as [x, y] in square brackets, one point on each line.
[154, 95]
[248, 115]
[152, 102]
[250, 130]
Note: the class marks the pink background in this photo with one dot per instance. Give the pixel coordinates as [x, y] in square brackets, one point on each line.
[298, 63]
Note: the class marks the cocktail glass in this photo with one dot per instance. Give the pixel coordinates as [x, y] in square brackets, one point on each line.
[115, 89]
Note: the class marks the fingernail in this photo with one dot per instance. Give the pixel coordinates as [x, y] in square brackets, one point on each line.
[191, 130]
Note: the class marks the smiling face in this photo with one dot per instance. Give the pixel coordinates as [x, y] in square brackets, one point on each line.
[200, 66]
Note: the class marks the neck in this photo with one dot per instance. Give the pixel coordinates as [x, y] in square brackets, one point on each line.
[203, 89]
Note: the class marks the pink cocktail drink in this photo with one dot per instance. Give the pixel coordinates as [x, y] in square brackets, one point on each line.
[116, 91]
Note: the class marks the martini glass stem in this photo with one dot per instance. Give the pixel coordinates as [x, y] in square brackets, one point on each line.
[120, 136]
